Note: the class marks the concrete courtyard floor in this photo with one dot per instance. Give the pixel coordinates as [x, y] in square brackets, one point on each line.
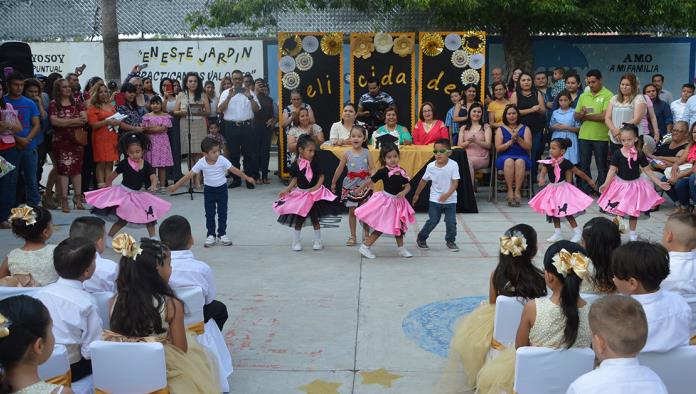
[323, 322]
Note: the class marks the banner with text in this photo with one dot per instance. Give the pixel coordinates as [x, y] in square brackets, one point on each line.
[65, 57]
[389, 58]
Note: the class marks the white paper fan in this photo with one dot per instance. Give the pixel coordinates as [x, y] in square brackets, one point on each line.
[460, 58]
[310, 44]
[470, 76]
[383, 42]
[304, 61]
[291, 80]
[286, 64]
[453, 42]
[476, 61]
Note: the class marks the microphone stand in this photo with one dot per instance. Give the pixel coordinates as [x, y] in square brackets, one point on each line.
[189, 157]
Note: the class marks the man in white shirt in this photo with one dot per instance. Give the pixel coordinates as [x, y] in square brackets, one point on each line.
[106, 271]
[175, 232]
[238, 106]
[679, 237]
[76, 322]
[678, 107]
[665, 95]
[619, 331]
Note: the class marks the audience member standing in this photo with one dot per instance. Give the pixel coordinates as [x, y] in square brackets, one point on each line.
[264, 120]
[665, 95]
[193, 108]
[373, 104]
[530, 104]
[678, 107]
[9, 124]
[174, 133]
[663, 113]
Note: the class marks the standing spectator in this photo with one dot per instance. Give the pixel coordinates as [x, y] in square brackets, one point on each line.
[148, 90]
[627, 106]
[104, 133]
[74, 82]
[513, 81]
[558, 82]
[593, 138]
[663, 113]
[264, 120]
[225, 84]
[428, 129]
[9, 125]
[572, 86]
[461, 109]
[177, 87]
[32, 91]
[249, 83]
[89, 176]
[497, 105]
[373, 104]
[192, 108]
[532, 110]
[131, 108]
[174, 133]
[67, 118]
[658, 80]
[541, 83]
[29, 117]
[295, 104]
[678, 107]
[238, 107]
[213, 99]
[496, 76]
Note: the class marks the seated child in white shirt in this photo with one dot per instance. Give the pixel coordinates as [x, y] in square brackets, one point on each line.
[175, 232]
[639, 269]
[619, 331]
[76, 322]
[106, 271]
[679, 237]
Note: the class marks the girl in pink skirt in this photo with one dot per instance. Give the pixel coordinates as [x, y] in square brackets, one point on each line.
[387, 212]
[560, 199]
[156, 124]
[305, 195]
[625, 193]
[126, 201]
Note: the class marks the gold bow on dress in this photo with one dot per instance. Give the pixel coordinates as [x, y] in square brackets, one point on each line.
[125, 245]
[566, 262]
[4, 326]
[24, 213]
[513, 245]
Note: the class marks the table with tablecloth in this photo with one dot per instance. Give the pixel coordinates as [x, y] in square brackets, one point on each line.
[413, 159]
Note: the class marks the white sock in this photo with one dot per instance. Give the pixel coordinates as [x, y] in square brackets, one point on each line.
[633, 235]
[296, 236]
[317, 234]
[557, 231]
[577, 230]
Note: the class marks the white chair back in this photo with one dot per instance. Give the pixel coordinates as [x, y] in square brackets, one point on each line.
[590, 298]
[103, 299]
[676, 368]
[533, 363]
[193, 299]
[56, 365]
[7, 292]
[508, 311]
[691, 300]
[126, 368]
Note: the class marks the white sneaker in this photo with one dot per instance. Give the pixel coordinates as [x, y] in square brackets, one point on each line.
[554, 238]
[577, 237]
[404, 253]
[296, 246]
[317, 245]
[225, 240]
[633, 237]
[365, 251]
[209, 241]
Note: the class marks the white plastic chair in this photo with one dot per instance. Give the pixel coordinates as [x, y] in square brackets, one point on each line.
[127, 368]
[537, 369]
[7, 292]
[56, 365]
[508, 311]
[691, 300]
[590, 298]
[103, 299]
[676, 368]
[193, 299]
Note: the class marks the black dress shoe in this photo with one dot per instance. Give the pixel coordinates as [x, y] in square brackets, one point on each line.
[235, 184]
[250, 185]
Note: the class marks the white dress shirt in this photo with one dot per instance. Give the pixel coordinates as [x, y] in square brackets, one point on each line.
[669, 319]
[619, 376]
[76, 322]
[666, 96]
[690, 111]
[104, 277]
[187, 271]
[682, 278]
[239, 108]
[678, 108]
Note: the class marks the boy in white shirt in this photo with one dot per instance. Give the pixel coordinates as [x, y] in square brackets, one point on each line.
[175, 232]
[76, 322]
[639, 269]
[444, 174]
[619, 331]
[214, 167]
[106, 271]
[679, 237]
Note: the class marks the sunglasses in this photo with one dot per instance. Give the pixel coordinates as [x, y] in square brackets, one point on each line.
[441, 151]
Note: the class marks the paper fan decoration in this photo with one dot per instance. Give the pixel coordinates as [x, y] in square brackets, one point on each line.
[304, 61]
[475, 43]
[460, 58]
[403, 45]
[292, 45]
[286, 64]
[291, 80]
[453, 41]
[383, 42]
[476, 61]
[362, 46]
[470, 76]
[331, 43]
[432, 44]
[310, 44]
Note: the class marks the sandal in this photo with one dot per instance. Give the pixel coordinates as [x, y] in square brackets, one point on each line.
[350, 241]
[509, 200]
[266, 181]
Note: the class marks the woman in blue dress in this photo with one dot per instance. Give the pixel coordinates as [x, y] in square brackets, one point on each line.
[513, 142]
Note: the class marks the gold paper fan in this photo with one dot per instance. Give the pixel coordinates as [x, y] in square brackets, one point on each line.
[292, 45]
[475, 42]
[331, 43]
[403, 45]
[432, 44]
[362, 46]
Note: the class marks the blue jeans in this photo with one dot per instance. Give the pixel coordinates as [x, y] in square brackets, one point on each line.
[679, 193]
[215, 198]
[28, 161]
[434, 213]
[537, 150]
[601, 152]
[692, 187]
[8, 183]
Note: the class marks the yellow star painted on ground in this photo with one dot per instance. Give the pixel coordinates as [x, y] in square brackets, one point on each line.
[380, 376]
[321, 387]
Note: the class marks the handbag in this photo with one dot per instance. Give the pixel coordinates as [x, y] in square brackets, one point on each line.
[80, 135]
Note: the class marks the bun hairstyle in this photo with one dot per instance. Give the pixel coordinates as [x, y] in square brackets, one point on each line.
[386, 148]
[30, 221]
[571, 288]
[26, 319]
[563, 143]
[631, 128]
[129, 139]
[516, 275]
[601, 237]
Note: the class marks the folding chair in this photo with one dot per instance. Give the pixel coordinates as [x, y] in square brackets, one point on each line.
[675, 368]
[193, 299]
[691, 300]
[532, 363]
[498, 185]
[508, 311]
[56, 370]
[7, 292]
[590, 298]
[126, 368]
[104, 307]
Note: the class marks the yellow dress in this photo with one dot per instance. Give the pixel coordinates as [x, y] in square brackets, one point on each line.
[498, 375]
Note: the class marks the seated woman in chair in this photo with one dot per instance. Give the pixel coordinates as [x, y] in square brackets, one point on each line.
[513, 142]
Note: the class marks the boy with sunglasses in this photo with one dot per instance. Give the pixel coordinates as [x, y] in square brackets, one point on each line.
[444, 174]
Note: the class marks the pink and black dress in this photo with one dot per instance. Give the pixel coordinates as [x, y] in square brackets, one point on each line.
[126, 200]
[628, 194]
[300, 203]
[384, 211]
[160, 153]
[559, 198]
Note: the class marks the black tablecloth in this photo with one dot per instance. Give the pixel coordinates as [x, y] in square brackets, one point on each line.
[466, 199]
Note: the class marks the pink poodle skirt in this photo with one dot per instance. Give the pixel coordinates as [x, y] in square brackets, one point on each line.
[386, 213]
[629, 198]
[560, 199]
[299, 203]
[129, 205]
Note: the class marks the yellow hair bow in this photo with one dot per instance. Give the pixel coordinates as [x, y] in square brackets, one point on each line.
[24, 213]
[619, 222]
[513, 245]
[566, 262]
[125, 245]
[4, 326]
